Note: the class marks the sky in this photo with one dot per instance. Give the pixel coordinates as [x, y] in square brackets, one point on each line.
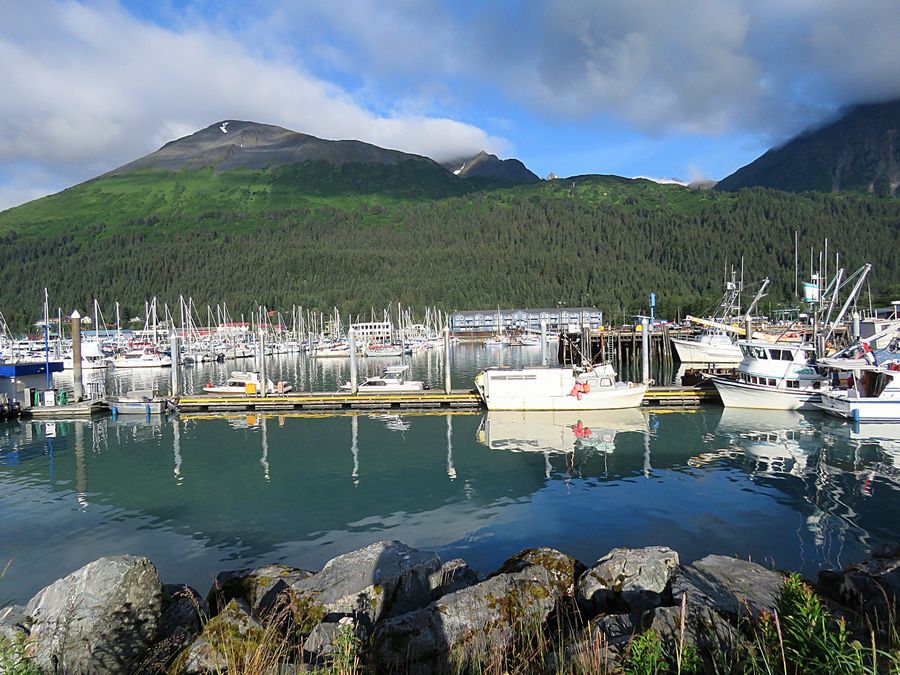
[686, 90]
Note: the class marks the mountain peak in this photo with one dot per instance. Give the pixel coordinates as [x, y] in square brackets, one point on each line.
[486, 165]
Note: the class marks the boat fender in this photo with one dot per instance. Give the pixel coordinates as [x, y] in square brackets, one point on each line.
[586, 388]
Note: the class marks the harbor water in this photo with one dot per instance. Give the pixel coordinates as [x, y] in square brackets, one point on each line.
[202, 494]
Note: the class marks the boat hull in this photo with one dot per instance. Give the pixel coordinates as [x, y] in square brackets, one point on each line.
[138, 407]
[743, 395]
[863, 410]
[690, 351]
[626, 396]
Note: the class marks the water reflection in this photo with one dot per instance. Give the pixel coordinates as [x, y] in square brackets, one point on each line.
[198, 494]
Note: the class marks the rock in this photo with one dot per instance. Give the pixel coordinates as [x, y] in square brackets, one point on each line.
[627, 579]
[704, 630]
[732, 587]
[229, 635]
[13, 622]
[101, 618]
[184, 611]
[453, 575]
[384, 579]
[485, 617]
[266, 589]
[601, 645]
[319, 647]
[872, 587]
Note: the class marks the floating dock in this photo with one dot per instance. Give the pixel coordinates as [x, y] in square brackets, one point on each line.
[425, 400]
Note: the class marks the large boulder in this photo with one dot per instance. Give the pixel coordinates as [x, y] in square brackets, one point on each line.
[736, 589]
[486, 617]
[627, 580]
[872, 586]
[384, 579]
[101, 618]
[266, 589]
[230, 636]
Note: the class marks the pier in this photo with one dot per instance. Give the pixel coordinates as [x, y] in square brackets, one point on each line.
[425, 400]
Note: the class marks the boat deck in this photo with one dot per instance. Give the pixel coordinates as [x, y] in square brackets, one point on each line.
[455, 400]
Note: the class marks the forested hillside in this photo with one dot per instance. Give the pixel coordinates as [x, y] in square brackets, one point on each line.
[358, 236]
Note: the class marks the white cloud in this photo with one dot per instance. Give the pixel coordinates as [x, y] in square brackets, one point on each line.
[87, 87]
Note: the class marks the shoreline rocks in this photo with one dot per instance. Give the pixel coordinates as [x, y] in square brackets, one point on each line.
[399, 608]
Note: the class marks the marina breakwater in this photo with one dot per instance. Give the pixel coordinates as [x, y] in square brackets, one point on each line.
[392, 608]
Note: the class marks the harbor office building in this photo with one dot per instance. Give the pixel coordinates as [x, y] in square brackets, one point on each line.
[489, 321]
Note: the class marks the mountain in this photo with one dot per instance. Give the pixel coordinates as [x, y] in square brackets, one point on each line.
[288, 219]
[487, 166]
[859, 152]
[234, 144]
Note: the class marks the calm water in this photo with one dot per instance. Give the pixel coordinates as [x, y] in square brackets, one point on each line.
[200, 494]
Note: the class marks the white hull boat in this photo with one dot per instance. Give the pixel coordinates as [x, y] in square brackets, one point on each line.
[138, 402]
[542, 388]
[241, 383]
[874, 396]
[721, 352]
[772, 376]
[142, 359]
[390, 381]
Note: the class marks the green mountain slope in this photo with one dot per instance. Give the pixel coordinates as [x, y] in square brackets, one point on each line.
[362, 234]
[859, 152]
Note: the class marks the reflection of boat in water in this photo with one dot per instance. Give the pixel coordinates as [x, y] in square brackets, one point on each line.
[559, 431]
[392, 421]
[772, 437]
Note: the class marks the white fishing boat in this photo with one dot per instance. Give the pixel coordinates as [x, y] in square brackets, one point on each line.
[499, 341]
[543, 388]
[710, 346]
[142, 358]
[92, 358]
[139, 402]
[772, 376]
[241, 383]
[391, 380]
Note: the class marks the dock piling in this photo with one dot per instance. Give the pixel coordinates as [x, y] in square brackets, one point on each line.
[351, 335]
[78, 393]
[645, 351]
[447, 387]
[174, 348]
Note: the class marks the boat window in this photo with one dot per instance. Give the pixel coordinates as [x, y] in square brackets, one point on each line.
[793, 384]
[775, 354]
[787, 355]
[745, 351]
[771, 382]
[606, 382]
[759, 353]
[817, 385]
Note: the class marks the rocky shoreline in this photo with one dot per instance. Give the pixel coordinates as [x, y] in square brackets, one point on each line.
[391, 608]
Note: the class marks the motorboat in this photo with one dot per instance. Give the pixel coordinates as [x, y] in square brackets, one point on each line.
[773, 376]
[545, 388]
[248, 383]
[872, 394]
[330, 350]
[92, 358]
[142, 358]
[139, 402]
[387, 350]
[390, 381]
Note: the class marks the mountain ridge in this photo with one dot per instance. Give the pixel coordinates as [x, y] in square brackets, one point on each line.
[859, 152]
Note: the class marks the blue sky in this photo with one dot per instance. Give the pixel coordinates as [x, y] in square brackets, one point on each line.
[633, 87]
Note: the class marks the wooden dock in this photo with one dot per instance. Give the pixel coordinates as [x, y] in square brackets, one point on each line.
[426, 400]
